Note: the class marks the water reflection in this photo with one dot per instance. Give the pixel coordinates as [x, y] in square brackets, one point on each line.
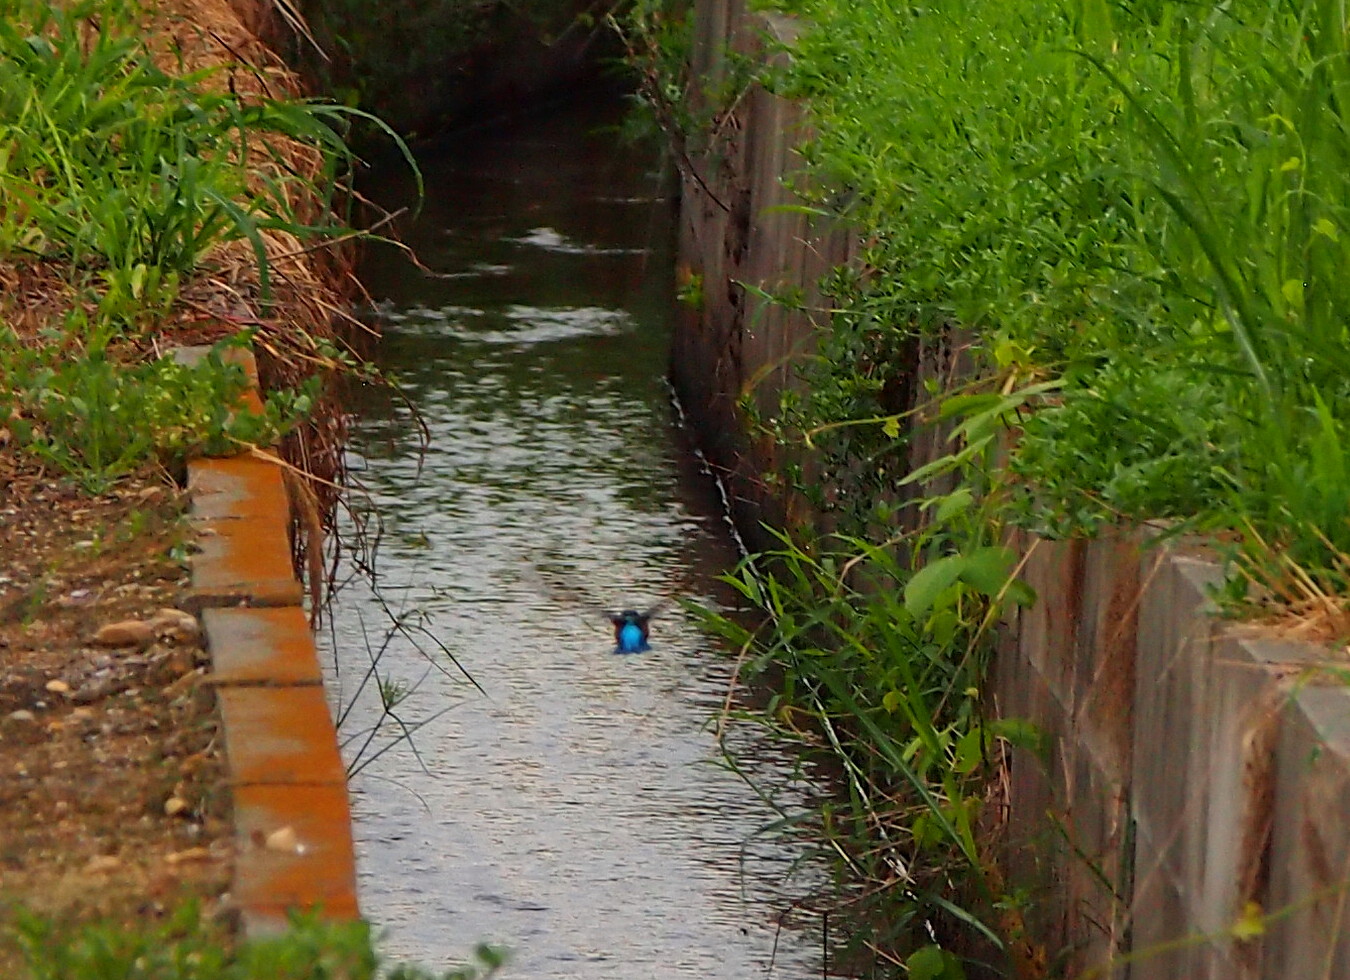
[574, 810]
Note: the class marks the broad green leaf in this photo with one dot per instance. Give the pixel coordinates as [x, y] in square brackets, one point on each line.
[1021, 593]
[929, 582]
[1292, 290]
[987, 569]
[1022, 734]
[956, 502]
[969, 752]
[934, 963]
[1325, 226]
[969, 404]
[946, 463]
[926, 963]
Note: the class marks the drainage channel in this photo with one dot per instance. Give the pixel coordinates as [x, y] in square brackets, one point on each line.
[574, 809]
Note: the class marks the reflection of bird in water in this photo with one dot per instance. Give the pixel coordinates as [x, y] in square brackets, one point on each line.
[631, 629]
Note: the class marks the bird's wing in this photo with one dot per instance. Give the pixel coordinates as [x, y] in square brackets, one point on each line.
[661, 606]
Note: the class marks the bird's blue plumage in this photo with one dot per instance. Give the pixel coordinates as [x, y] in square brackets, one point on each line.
[631, 637]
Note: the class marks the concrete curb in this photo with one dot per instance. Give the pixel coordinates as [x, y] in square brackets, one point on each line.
[292, 823]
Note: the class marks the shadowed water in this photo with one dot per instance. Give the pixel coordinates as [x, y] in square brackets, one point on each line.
[573, 810]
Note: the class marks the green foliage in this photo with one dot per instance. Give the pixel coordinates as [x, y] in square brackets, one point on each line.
[889, 679]
[692, 111]
[1145, 200]
[97, 420]
[119, 182]
[417, 63]
[183, 947]
[131, 175]
[934, 963]
[1170, 454]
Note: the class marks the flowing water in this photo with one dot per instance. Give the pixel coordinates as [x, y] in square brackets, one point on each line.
[574, 809]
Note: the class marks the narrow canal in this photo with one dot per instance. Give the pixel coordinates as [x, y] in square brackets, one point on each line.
[574, 809]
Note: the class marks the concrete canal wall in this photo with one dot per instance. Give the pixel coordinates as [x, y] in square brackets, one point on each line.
[733, 350]
[288, 786]
[1189, 820]
[1197, 775]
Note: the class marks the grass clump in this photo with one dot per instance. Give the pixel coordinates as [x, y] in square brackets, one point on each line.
[138, 201]
[867, 679]
[131, 175]
[185, 947]
[98, 421]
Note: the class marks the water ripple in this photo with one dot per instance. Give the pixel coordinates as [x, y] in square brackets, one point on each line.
[574, 810]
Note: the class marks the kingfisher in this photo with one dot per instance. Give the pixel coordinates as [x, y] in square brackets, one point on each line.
[631, 629]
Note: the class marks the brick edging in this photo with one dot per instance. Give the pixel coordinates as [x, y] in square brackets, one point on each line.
[292, 822]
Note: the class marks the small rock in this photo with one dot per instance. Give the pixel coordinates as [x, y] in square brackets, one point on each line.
[285, 839]
[176, 623]
[175, 805]
[23, 727]
[102, 864]
[182, 684]
[127, 633]
[193, 762]
[58, 687]
[177, 662]
[94, 692]
[192, 854]
[79, 597]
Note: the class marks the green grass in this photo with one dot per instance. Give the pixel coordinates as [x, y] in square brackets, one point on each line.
[185, 947]
[98, 421]
[865, 675]
[122, 184]
[1146, 201]
[131, 175]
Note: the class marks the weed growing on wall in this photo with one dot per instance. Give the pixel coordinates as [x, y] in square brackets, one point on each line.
[869, 680]
[693, 114]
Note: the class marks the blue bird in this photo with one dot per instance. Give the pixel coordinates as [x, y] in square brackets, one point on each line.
[631, 629]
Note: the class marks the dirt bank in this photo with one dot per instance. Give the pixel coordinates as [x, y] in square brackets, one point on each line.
[112, 799]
